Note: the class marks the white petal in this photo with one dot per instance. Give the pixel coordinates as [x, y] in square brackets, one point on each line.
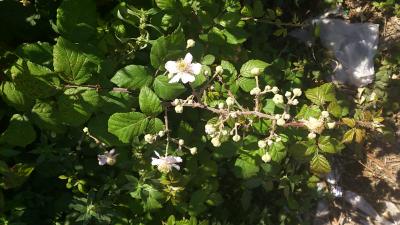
[155, 161]
[157, 154]
[188, 58]
[102, 160]
[176, 166]
[187, 77]
[171, 67]
[178, 159]
[196, 68]
[175, 79]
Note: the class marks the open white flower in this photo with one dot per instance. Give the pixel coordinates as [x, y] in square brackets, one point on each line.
[109, 157]
[183, 69]
[165, 163]
[314, 125]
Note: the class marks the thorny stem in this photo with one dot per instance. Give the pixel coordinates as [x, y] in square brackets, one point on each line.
[257, 97]
[166, 131]
[277, 23]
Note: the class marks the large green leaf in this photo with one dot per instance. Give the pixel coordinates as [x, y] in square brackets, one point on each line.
[319, 164]
[39, 52]
[246, 68]
[114, 101]
[166, 4]
[132, 77]
[167, 91]
[321, 94]
[126, 126]
[73, 65]
[149, 103]
[14, 97]
[45, 117]
[98, 127]
[76, 105]
[19, 132]
[167, 47]
[77, 20]
[277, 152]
[245, 167]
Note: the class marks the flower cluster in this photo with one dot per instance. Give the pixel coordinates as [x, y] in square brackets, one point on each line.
[317, 125]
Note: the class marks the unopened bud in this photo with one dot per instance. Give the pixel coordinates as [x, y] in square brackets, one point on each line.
[255, 71]
[190, 43]
[179, 109]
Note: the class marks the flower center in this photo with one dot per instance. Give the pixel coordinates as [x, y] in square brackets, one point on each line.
[164, 167]
[181, 65]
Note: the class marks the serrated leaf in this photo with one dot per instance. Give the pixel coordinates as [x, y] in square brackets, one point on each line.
[44, 116]
[18, 125]
[118, 102]
[149, 103]
[349, 136]
[77, 20]
[166, 4]
[208, 60]
[154, 126]
[39, 52]
[246, 84]
[246, 68]
[245, 167]
[167, 47]
[98, 127]
[132, 77]
[165, 90]
[360, 135]
[235, 35]
[320, 165]
[307, 111]
[335, 109]
[126, 126]
[349, 122]
[71, 63]
[322, 94]
[14, 97]
[277, 151]
[325, 144]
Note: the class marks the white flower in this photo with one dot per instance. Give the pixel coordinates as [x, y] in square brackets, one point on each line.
[275, 90]
[236, 138]
[183, 69]
[312, 135]
[255, 71]
[209, 129]
[331, 125]
[219, 69]
[109, 157]
[325, 114]
[255, 91]
[297, 92]
[277, 99]
[262, 144]
[165, 163]
[216, 142]
[230, 101]
[280, 122]
[181, 142]
[190, 43]
[193, 151]
[149, 138]
[314, 125]
[288, 94]
[179, 109]
[266, 157]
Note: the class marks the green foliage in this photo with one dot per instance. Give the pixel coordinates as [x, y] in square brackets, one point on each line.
[93, 132]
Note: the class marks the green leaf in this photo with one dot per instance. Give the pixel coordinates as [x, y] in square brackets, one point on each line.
[320, 165]
[166, 4]
[349, 136]
[132, 77]
[118, 102]
[235, 35]
[149, 103]
[167, 91]
[17, 175]
[277, 151]
[154, 126]
[39, 52]
[19, 132]
[167, 47]
[246, 84]
[126, 126]
[98, 127]
[71, 63]
[77, 20]
[76, 105]
[245, 167]
[321, 94]
[14, 97]
[349, 122]
[246, 68]
[208, 60]
[45, 117]
[335, 109]
[307, 111]
[328, 144]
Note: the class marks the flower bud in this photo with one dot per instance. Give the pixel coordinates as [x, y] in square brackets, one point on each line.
[331, 125]
[262, 144]
[221, 105]
[288, 94]
[280, 122]
[295, 102]
[325, 114]
[266, 157]
[312, 135]
[209, 129]
[216, 142]
[179, 109]
[85, 130]
[275, 90]
[286, 116]
[190, 43]
[255, 91]
[149, 138]
[269, 142]
[236, 138]
[181, 142]
[161, 133]
[233, 114]
[255, 71]
[278, 139]
[267, 88]
[175, 102]
[277, 99]
[230, 101]
[193, 151]
[297, 92]
[219, 69]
